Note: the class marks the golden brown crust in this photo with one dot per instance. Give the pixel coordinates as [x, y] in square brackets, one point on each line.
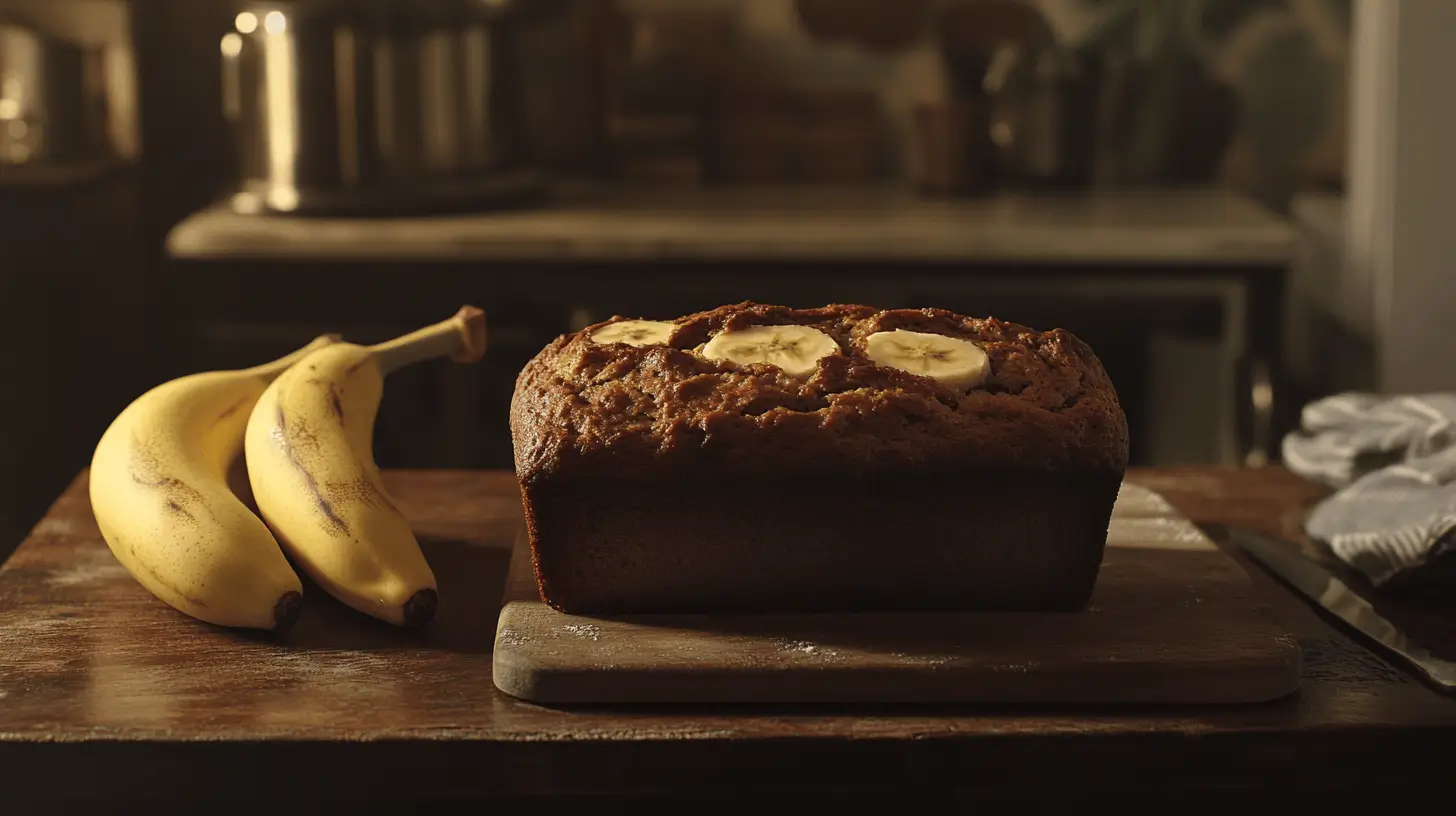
[583, 409]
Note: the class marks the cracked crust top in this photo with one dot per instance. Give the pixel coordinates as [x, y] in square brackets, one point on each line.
[583, 409]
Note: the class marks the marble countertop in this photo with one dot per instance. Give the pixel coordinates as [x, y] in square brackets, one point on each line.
[1195, 227]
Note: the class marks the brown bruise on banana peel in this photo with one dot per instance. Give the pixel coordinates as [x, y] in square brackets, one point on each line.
[336, 402]
[176, 495]
[300, 443]
[297, 437]
[362, 490]
[175, 509]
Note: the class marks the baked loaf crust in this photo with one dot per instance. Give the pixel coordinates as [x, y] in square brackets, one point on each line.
[657, 480]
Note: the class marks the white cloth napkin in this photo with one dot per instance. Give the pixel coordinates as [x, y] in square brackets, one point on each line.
[1392, 460]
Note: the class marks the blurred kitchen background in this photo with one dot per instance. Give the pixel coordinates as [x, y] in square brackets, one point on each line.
[1202, 189]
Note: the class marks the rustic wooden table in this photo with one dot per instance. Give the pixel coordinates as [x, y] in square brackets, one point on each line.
[107, 694]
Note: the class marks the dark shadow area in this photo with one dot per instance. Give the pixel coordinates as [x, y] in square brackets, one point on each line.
[1417, 607]
[1141, 596]
[1430, 589]
[471, 580]
[1186, 801]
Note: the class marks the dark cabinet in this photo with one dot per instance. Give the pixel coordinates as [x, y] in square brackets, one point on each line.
[75, 321]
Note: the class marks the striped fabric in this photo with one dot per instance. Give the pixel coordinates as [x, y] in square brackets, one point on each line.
[1392, 461]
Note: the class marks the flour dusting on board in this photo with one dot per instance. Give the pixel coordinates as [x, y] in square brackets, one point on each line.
[1157, 533]
[18, 627]
[341, 663]
[585, 631]
[92, 567]
[58, 527]
[31, 645]
[1134, 500]
[510, 637]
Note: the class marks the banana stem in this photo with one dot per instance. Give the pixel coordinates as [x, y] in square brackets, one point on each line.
[270, 371]
[461, 338]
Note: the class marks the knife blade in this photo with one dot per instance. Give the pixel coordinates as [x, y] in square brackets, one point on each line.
[1336, 597]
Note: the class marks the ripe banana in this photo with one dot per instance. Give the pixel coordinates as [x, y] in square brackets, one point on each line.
[635, 332]
[949, 360]
[159, 490]
[310, 450]
[795, 349]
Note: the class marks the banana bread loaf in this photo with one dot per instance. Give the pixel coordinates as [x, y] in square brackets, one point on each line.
[759, 458]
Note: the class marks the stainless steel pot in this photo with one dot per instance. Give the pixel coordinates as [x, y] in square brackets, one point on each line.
[371, 105]
[1043, 114]
[52, 99]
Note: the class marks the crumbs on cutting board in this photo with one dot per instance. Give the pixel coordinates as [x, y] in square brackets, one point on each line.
[1016, 668]
[585, 631]
[804, 647]
[923, 659]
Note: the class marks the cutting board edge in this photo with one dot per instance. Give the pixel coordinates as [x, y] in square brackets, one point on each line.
[1260, 679]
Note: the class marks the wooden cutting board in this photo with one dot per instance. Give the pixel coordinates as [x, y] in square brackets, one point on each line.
[1173, 620]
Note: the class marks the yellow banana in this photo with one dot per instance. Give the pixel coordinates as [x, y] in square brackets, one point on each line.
[160, 492]
[310, 451]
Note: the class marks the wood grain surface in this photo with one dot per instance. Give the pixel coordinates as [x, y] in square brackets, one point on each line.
[104, 691]
[1173, 620]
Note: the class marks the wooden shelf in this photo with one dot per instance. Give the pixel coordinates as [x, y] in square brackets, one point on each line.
[1202, 226]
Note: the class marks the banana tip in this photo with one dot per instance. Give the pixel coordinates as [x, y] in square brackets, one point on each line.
[287, 611]
[323, 340]
[471, 320]
[419, 610]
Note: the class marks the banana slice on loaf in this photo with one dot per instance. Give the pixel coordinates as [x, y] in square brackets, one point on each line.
[795, 349]
[635, 332]
[948, 360]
